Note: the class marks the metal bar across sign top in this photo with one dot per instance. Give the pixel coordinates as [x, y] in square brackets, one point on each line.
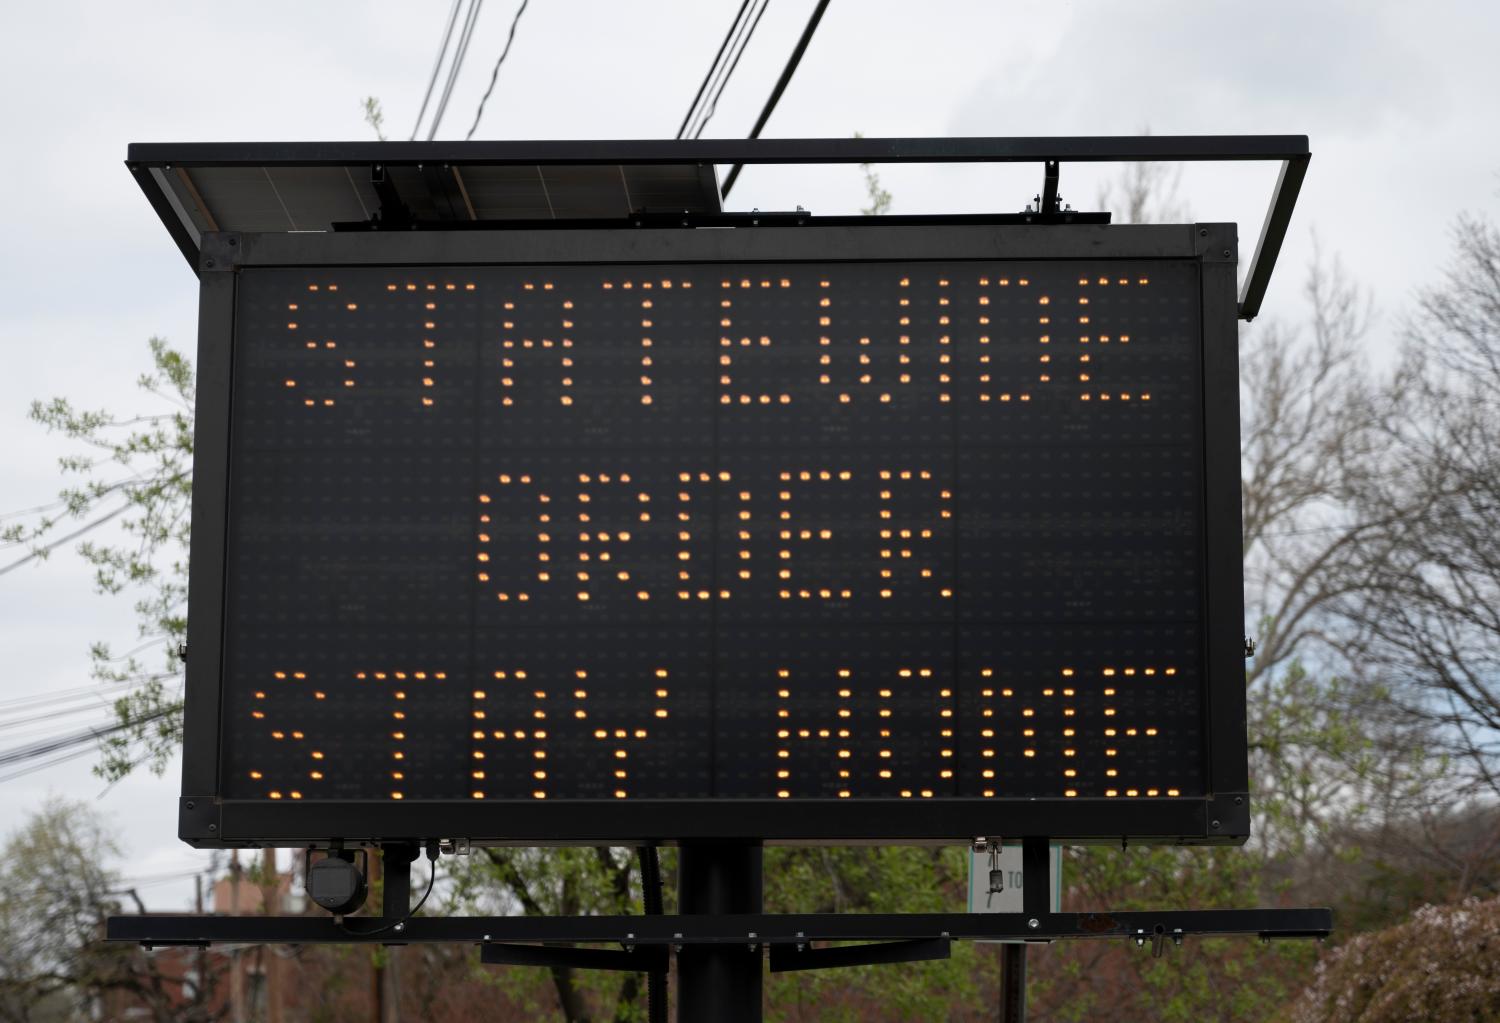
[1291, 150]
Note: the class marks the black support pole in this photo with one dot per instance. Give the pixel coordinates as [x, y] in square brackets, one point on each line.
[1049, 201]
[720, 982]
[1013, 984]
[396, 861]
[1036, 878]
[1036, 905]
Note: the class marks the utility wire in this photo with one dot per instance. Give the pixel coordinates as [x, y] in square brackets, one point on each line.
[511, 38]
[38, 701]
[52, 750]
[436, 66]
[781, 84]
[25, 730]
[83, 698]
[84, 749]
[713, 103]
[459, 53]
[153, 641]
[162, 878]
[35, 766]
[66, 712]
[56, 744]
[467, 34]
[718, 57]
[30, 740]
[720, 75]
[37, 509]
[52, 545]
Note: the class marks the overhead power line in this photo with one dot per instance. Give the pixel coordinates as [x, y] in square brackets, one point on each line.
[21, 760]
[45, 706]
[464, 37]
[436, 67]
[43, 550]
[736, 41]
[509, 39]
[781, 84]
[89, 707]
[54, 744]
[31, 767]
[37, 701]
[727, 72]
[718, 57]
[182, 874]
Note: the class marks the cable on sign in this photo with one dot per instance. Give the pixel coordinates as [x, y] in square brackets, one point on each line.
[399, 925]
[997, 876]
[496, 73]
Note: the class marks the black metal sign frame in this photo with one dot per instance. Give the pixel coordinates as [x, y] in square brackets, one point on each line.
[785, 931]
[149, 162]
[721, 954]
[1219, 817]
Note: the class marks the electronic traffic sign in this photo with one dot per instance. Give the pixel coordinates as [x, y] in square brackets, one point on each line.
[901, 532]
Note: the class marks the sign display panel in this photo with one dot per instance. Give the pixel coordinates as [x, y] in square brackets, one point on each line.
[733, 531]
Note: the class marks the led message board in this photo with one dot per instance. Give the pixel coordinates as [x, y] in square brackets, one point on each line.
[534, 541]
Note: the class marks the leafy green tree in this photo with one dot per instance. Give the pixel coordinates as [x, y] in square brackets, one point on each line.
[867, 879]
[54, 963]
[582, 881]
[127, 500]
[374, 116]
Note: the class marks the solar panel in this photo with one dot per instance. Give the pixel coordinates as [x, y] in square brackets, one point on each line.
[274, 188]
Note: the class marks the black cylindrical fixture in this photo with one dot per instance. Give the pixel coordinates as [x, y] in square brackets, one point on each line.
[719, 982]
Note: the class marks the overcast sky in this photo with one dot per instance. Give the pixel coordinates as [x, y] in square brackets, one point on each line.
[1398, 99]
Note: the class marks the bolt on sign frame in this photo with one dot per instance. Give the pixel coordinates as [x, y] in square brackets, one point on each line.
[269, 613]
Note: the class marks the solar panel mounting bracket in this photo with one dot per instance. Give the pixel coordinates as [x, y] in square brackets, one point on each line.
[219, 252]
[173, 176]
[393, 212]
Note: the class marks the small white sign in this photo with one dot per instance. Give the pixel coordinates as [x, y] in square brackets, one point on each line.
[1008, 899]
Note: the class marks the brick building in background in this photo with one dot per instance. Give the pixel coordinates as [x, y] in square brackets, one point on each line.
[300, 984]
[236, 984]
